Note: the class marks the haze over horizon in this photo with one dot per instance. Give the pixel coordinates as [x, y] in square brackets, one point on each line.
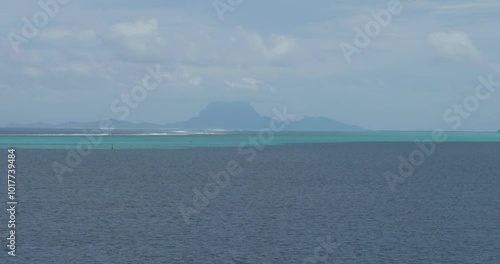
[427, 59]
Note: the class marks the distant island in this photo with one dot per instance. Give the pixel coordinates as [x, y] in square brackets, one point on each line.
[216, 116]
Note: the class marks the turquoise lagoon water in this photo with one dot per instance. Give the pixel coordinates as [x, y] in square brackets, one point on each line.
[227, 139]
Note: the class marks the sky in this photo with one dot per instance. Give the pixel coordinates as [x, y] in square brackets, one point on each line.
[405, 74]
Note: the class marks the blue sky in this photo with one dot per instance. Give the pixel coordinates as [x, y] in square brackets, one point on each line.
[271, 53]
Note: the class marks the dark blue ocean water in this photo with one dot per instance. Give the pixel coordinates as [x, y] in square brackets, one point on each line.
[122, 206]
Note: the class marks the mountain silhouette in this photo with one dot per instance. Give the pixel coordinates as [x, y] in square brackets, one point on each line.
[218, 115]
[225, 115]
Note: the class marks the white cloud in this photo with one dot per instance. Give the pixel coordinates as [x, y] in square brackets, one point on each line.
[275, 46]
[454, 45]
[181, 78]
[56, 35]
[195, 81]
[470, 6]
[32, 71]
[248, 84]
[77, 68]
[139, 40]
